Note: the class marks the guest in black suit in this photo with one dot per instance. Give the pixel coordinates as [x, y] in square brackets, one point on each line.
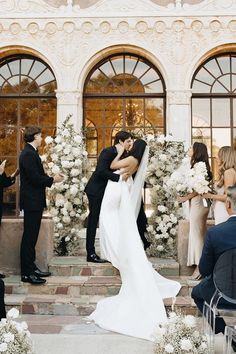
[33, 182]
[95, 190]
[4, 183]
[219, 239]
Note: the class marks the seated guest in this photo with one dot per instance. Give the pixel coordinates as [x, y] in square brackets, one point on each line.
[4, 183]
[219, 238]
[2, 305]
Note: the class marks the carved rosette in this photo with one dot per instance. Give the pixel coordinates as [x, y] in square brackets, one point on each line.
[123, 27]
[179, 97]
[141, 26]
[33, 28]
[105, 27]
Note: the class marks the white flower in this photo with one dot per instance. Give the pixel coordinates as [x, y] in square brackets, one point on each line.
[60, 225]
[74, 172]
[203, 345]
[67, 239]
[66, 219]
[65, 133]
[43, 158]
[186, 344]
[161, 208]
[13, 313]
[66, 164]
[160, 248]
[8, 337]
[73, 190]
[169, 348]
[48, 140]
[58, 139]
[78, 139]
[3, 347]
[189, 321]
[55, 169]
[76, 151]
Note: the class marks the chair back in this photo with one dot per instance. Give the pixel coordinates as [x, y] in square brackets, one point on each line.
[224, 275]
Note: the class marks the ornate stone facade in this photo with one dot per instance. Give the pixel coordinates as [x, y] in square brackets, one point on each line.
[175, 38]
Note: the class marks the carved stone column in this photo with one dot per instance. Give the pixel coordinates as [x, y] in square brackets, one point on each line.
[179, 113]
[69, 102]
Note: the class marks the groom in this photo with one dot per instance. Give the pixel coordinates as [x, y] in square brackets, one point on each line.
[95, 190]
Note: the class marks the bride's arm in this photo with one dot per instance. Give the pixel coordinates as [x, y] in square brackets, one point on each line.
[128, 163]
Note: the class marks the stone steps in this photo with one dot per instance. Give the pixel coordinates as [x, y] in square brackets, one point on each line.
[80, 285]
[76, 306]
[74, 266]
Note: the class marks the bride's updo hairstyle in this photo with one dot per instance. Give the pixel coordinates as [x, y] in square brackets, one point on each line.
[138, 149]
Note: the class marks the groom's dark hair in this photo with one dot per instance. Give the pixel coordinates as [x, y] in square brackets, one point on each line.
[122, 135]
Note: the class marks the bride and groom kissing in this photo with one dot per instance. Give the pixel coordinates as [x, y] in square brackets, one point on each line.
[123, 144]
[115, 198]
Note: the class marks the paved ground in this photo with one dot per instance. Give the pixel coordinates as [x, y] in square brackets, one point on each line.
[77, 335]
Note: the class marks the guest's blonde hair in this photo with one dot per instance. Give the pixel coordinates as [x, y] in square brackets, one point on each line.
[227, 160]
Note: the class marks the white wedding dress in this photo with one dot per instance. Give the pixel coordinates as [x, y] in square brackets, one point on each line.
[138, 307]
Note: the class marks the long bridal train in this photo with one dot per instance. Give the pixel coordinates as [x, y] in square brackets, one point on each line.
[138, 307]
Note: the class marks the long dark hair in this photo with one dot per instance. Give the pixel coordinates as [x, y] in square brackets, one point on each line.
[200, 154]
[138, 149]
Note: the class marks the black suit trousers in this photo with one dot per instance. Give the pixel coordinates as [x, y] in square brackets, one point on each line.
[93, 217]
[32, 222]
[2, 304]
[142, 225]
[204, 292]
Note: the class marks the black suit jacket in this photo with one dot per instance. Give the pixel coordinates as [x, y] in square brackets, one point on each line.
[219, 239]
[33, 180]
[4, 183]
[98, 181]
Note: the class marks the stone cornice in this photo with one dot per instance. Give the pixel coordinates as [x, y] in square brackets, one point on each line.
[114, 9]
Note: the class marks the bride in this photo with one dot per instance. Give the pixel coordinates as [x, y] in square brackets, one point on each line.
[138, 307]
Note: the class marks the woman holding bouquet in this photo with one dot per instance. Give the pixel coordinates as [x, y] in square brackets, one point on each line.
[198, 212]
[226, 178]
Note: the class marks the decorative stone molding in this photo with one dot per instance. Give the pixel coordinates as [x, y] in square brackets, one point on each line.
[68, 97]
[114, 8]
[179, 97]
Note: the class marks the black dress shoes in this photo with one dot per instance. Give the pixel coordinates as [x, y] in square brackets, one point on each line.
[39, 273]
[95, 258]
[2, 276]
[32, 279]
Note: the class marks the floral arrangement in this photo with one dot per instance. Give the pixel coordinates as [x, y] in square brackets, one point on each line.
[65, 153]
[165, 157]
[180, 335]
[187, 180]
[14, 336]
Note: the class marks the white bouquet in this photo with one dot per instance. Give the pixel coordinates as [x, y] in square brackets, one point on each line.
[198, 178]
[14, 336]
[187, 180]
[178, 181]
[180, 335]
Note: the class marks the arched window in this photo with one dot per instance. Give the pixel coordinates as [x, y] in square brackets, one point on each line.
[214, 103]
[123, 92]
[27, 97]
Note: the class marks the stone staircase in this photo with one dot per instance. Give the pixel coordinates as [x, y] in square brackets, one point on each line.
[77, 285]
